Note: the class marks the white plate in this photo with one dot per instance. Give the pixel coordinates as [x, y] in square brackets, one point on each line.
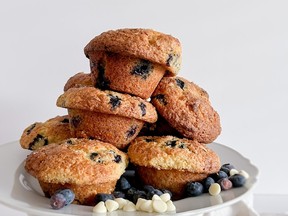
[21, 191]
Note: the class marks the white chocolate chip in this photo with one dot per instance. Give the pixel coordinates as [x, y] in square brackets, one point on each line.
[121, 202]
[147, 206]
[165, 197]
[129, 207]
[233, 172]
[170, 206]
[214, 189]
[139, 203]
[111, 205]
[159, 206]
[244, 173]
[156, 197]
[100, 208]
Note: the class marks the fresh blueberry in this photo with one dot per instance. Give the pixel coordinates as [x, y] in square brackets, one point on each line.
[151, 193]
[148, 188]
[119, 194]
[103, 197]
[194, 189]
[237, 180]
[225, 183]
[227, 167]
[138, 194]
[57, 201]
[123, 184]
[167, 191]
[219, 175]
[207, 182]
[130, 192]
[68, 194]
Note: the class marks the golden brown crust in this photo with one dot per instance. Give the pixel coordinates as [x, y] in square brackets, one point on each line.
[84, 194]
[80, 79]
[109, 102]
[126, 74]
[187, 108]
[172, 153]
[117, 130]
[141, 43]
[77, 161]
[43, 133]
[173, 180]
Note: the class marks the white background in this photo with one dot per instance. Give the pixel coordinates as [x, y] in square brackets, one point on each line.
[235, 50]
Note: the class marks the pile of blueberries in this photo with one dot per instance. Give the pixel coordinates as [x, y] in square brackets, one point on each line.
[223, 178]
[124, 188]
[127, 188]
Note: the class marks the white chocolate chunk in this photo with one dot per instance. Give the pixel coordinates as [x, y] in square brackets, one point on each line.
[156, 197]
[214, 189]
[170, 206]
[233, 172]
[165, 197]
[100, 208]
[129, 207]
[139, 203]
[159, 206]
[121, 202]
[244, 173]
[147, 206]
[111, 205]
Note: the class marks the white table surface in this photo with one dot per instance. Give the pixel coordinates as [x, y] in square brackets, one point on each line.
[264, 204]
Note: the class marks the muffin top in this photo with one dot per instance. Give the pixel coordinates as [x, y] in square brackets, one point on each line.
[141, 43]
[79, 80]
[43, 133]
[168, 152]
[187, 108]
[77, 161]
[106, 101]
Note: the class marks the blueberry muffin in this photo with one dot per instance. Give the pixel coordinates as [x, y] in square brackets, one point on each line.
[43, 133]
[187, 108]
[133, 60]
[87, 167]
[125, 74]
[79, 80]
[170, 162]
[106, 115]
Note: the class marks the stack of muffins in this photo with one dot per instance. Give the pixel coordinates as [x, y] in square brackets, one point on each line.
[133, 107]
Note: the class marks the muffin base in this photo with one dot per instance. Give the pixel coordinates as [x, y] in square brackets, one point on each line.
[117, 130]
[173, 180]
[84, 194]
[125, 73]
